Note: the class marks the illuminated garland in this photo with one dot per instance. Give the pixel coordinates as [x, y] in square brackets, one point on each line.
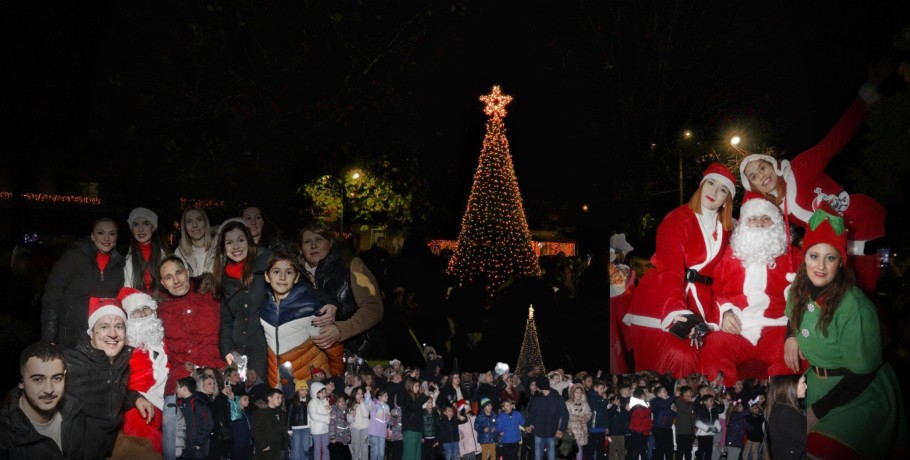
[52, 198]
[530, 355]
[203, 204]
[494, 240]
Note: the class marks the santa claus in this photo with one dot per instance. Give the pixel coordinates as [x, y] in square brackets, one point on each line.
[750, 285]
[148, 364]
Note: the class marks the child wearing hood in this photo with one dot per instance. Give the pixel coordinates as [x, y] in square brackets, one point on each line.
[318, 413]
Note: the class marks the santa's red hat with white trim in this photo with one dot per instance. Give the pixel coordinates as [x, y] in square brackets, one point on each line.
[98, 307]
[722, 175]
[133, 299]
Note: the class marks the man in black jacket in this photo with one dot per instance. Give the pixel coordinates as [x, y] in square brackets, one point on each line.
[98, 373]
[547, 418]
[37, 421]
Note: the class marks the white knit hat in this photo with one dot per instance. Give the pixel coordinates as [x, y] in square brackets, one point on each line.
[142, 212]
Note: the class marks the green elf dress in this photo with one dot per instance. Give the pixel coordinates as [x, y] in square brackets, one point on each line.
[872, 423]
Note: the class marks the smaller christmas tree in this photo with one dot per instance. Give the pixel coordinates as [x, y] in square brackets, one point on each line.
[530, 356]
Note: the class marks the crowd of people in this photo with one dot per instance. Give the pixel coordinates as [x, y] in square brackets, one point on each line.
[738, 299]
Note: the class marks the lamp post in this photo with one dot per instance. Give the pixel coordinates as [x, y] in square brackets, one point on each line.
[355, 176]
[686, 136]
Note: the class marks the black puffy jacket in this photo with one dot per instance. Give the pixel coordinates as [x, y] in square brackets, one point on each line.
[20, 440]
[74, 279]
[241, 329]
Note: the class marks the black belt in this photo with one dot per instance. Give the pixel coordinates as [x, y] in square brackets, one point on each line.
[692, 276]
[823, 373]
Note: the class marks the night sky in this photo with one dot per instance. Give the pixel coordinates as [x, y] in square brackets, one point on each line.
[246, 101]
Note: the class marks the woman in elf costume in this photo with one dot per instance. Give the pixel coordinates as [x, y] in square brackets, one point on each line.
[855, 408]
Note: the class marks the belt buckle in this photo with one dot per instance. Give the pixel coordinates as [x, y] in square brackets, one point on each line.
[690, 275]
[819, 375]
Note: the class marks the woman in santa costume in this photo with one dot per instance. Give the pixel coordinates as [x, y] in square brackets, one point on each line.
[799, 186]
[855, 407]
[690, 240]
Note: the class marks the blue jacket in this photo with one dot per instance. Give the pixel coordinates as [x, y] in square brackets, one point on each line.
[508, 426]
[199, 426]
[736, 429]
[486, 428]
[662, 411]
[600, 417]
[548, 414]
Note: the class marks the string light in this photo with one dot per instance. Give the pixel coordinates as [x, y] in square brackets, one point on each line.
[529, 356]
[494, 240]
[6, 195]
[541, 248]
[203, 204]
[64, 199]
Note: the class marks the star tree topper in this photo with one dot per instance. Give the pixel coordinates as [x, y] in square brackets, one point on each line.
[496, 103]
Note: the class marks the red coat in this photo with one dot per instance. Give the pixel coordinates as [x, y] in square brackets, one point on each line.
[757, 293]
[640, 420]
[663, 292]
[191, 327]
[807, 182]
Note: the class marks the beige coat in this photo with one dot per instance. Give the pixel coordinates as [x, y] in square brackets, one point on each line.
[579, 414]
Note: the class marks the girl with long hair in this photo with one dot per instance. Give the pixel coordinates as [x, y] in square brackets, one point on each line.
[412, 405]
[676, 294]
[197, 245]
[265, 233]
[785, 417]
[241, 287]
[855, 406]
[147, 250]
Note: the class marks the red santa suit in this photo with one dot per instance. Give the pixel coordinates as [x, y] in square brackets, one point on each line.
[757, 295]
[148, 375]
[683, 243]
[808, 185]
[148, 366]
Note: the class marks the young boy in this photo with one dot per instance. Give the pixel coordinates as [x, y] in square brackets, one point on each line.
[508, 425]
[448, 433]
[685, 422]
[662, 409]
[485, 424]
[619, 421]
[639, 427]
[198, 418]
[241, 430]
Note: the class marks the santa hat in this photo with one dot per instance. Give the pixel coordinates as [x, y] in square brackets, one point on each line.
[134, 299]
[722, 175]
[145, 213]
[755, 205]
[756, 156]
[461, 405]
[317, 370]
[98, 307]
[826, 226]
[394, 362]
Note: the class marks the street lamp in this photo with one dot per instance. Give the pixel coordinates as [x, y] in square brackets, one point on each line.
[735, 140]
[356, 175]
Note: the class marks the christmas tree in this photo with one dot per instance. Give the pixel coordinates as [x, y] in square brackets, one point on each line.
[530, 348]
[494, 244]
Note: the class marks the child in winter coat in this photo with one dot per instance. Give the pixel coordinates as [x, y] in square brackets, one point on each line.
[735, 437]
[639, 427]
[468, 447]
[318, 415]
[619, 421]
[359, 416]
[198, 418]
[755, 431]
[430, 427]
[684, 422]
[339, 429]
[707, 424]
[378, 429]
[509, 423]
[448, 433]
[487, 436]
[662, 409]
[241, 429]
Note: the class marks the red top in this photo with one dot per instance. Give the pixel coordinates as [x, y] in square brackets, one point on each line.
[234, 270]
[146, 250]
[102, 259]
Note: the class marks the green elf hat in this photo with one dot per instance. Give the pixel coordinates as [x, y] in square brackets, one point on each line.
[826, 226]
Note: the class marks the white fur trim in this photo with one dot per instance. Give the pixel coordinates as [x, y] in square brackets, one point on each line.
[104, 311]
[756, 156]
[757, 207]
[137, 300]
[638, 320]
[155, 394]
[723, 180]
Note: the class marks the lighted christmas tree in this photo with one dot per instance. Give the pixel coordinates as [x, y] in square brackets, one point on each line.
[530, 348]
[494, 243]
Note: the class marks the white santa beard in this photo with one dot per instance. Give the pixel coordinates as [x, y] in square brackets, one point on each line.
[145, 332]
[757, 244]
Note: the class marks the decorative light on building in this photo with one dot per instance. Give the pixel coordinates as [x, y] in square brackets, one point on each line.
[198, 203]
[63, 199]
